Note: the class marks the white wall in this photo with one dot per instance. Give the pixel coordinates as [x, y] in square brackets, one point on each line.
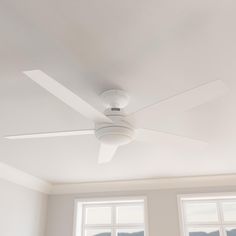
[22, 211]
[162, 210]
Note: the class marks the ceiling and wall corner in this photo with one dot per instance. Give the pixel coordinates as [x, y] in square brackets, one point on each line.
[24, 179]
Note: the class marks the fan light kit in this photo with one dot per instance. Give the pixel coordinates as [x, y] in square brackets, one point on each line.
[112, 128]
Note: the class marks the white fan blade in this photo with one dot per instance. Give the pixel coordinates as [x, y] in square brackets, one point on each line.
[182, 102]
[65, 95]
[106, 153]
[169, 141]
[50, 135]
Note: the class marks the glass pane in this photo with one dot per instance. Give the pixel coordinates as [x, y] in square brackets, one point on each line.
[130, 232]
[229, 211]
[230, 231]
[204, 231]
[98, 232]
[98, 215]
[130, 214]
[201, 212]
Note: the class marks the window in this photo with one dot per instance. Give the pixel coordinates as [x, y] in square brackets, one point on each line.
[125, 217]
[208, 216]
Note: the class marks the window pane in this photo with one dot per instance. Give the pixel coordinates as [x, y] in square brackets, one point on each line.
[230, 231]
[98, 215]
[201, 212]
[229, 211]
[204, 231]
[130, 232]
[130, 214]
[98, 232]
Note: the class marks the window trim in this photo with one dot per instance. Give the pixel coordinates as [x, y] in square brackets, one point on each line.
[202, 196]
[112, 200]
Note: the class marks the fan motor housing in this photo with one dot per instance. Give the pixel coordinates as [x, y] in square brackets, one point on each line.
[115, 135]
[120, 132]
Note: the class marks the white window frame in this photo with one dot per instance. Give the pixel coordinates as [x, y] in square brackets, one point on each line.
[217, 198]
[79, 216]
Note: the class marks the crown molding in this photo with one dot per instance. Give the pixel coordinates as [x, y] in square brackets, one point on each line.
[21, 178]
[26, 180]
[146, 184]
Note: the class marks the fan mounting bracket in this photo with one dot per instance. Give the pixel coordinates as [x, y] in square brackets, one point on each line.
[115, 99]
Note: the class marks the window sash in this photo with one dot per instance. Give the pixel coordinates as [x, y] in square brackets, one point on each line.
[221, 223]
[113, 226]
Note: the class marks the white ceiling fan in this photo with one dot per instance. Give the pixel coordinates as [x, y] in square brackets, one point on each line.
[112, 127]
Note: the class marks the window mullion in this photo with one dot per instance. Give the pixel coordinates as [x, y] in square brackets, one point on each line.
[220, 216]
[83, 220]
[113, 221]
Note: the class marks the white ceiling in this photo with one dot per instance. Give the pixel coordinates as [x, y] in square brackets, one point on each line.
[152, 49]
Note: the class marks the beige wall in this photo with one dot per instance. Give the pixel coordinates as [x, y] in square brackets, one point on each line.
[22, 211]
[162, 210]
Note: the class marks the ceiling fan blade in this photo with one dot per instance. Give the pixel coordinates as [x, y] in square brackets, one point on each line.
[52, 134]
[106, 153]
[183, 101]
[169, 141]
[65, 95]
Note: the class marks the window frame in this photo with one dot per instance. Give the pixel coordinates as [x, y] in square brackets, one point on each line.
[217, 198]
[79, 226]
